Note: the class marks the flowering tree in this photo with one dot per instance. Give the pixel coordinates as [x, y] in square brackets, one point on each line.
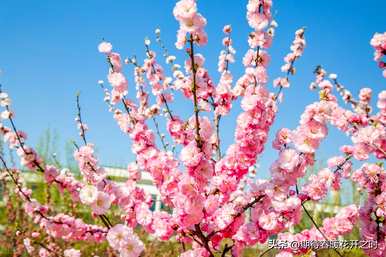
[209, 192]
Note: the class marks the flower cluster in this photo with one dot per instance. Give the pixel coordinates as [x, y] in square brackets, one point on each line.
[122, 239]
[88, 165]
[64, 180]
[223, 93]
[372, 178]
[332, 228]
[297, 49]
[226, 56]
[61, 225]
[379, 43]
[191, 22]
[116, 78]
[317, 186]
[154, 73]
[259, 14]
[208, 195]
[98, 200]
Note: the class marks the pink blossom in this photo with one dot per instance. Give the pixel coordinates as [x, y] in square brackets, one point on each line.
[269, 221]
[134, 172]
[194, 24]
[102, 203]
[185, 9]
[50, 173]
[365, 95]
[227, 29]
[378, 42]
[318, 184]
[256, 19]
[288, 159]
[122, 239]
[71, 253]
[250, 102]
[380, 200]
[28, 246]
[88, 194]
[35, 234]
[191, 155]
[43, 252]
[105, 47]
[162, 225]
[181, 39]
[210, 191]
[116, 79]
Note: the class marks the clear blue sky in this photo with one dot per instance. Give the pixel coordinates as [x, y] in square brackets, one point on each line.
[48, 51]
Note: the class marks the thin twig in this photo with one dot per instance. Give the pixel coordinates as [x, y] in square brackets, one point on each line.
[21, 143]
[227, 248]
[194, 92]
[162, 95]
[79, 115]
[204, 239]
[315, 224]
[217, 125]
[266, 251]
[159, 134]
[30, 200]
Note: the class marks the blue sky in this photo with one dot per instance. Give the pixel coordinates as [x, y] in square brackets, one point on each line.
[48, 51]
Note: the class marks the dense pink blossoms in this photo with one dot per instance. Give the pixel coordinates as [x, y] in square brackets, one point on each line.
[379, 44]
[213, 196]
[122, 239]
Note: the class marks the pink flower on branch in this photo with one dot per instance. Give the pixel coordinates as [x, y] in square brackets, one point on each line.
[215, 202]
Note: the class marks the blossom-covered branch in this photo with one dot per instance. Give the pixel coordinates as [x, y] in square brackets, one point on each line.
[215, 203]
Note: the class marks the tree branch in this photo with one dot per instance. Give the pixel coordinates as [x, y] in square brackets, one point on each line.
[194, 91]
